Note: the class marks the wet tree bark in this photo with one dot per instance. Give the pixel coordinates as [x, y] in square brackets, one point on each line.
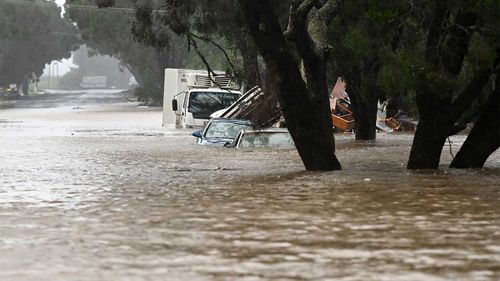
[268, 109]
[305, 115]
[364, 95]
[432, 130]
[438, 112]
[249, 54]
[364, 100]
[438, 116]
[366, 114]
[484, 137]
[428, 142]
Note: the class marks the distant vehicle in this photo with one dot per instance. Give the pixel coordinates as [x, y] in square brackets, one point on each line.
[220, 131]
[191, 96]
[92, 82]
[10, 91]
[264, 138]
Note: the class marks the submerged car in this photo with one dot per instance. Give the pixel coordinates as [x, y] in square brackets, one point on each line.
[220, 131]
[264, 138]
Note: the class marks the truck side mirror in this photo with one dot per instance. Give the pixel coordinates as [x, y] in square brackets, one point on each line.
[174, 105]
[197, 134]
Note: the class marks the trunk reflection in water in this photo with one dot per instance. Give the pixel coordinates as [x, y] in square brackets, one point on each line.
[105, 194]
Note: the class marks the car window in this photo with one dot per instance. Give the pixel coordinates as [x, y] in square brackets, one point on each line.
[266, 139]
[224, 130]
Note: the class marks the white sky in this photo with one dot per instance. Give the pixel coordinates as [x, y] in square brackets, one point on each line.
[60, 2]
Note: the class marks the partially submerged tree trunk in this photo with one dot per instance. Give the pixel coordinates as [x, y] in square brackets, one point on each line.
[444, 53]
[429, 139]
[484, 138]
[304, 106]
[366, 115]
[438, 118]
[364, 98]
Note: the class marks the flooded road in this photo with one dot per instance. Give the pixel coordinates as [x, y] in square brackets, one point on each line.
[101, 192]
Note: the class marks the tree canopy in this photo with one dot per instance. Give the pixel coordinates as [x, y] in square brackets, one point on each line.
[32, 34]
[442, 56]
[109, 32]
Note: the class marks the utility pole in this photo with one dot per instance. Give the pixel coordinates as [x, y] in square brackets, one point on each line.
[48, 84]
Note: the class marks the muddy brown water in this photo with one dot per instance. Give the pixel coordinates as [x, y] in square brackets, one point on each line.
[103, 193]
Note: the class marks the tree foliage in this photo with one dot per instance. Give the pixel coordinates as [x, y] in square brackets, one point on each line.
[437, 55]
[441, 54]
[214, 25]
[32, 34]
[109, 32]
[235, 23]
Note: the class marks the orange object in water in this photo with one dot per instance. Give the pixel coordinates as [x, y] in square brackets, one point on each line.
[393, 124]
[343, 122]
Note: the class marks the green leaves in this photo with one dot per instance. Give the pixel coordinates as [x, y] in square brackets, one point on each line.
[32, 35]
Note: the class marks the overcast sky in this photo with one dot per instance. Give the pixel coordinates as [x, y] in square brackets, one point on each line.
[60, 2]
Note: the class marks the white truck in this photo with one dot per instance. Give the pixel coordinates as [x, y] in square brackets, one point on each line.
[191, 96]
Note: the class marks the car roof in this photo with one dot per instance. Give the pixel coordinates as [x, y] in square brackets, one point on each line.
[229, 120]
[267, 130]
[214, 90]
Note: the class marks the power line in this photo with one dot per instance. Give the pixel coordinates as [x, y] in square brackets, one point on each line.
[83, 7]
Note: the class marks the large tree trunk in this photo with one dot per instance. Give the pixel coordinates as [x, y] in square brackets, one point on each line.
[311, 131]
[432, 131]
[427, 145]
[268, 110]
[364, 95]
[444, 53]
[249, 54]
[484, 137]
[366, 116]
[365, 101]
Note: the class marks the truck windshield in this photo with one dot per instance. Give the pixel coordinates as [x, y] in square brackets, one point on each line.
[202, 104]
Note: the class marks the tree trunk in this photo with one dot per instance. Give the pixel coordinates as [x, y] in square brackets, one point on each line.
[311, 132]
[364, 97]
[484, 137]
[366, 116]
[427, 145]
[269, 108]
[249, 54]
[445, 51]
[432, 131]
[25, 86]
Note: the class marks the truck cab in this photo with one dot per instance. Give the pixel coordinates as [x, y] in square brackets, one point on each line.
[194, 107]
[191, 96]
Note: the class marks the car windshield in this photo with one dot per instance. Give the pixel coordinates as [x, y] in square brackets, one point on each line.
[225, 130]
[202, 104]
[266, 139]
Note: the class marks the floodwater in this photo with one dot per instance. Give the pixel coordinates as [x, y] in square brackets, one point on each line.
[101, 192]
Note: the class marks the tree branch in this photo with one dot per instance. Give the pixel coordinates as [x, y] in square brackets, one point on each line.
[297, 19]
[218, 46]
[472, 90]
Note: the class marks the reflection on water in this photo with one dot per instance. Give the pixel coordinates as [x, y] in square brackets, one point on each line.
[102, 194]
